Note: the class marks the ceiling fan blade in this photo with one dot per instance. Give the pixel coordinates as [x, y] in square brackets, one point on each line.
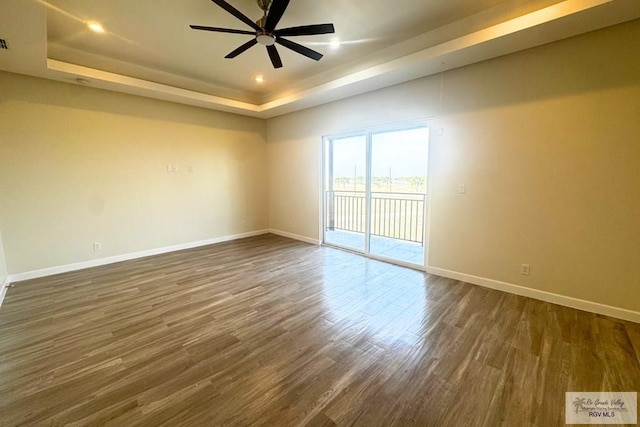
[235, 12]
[222, 30]
[242, 48]
[302, 50]
[275, 13]
[274, 56]
[306, 30]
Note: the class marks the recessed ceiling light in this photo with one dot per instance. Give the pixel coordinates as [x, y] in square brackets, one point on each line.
[96, 27]
[335, 44]
[259, 79]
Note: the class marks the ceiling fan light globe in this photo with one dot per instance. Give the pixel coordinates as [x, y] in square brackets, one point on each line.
[266, 39]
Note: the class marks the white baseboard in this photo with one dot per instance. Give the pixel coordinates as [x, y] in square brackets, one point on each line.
[126, 257]
[3, 290]
[590, 306]
[580, 304]
[295, 236]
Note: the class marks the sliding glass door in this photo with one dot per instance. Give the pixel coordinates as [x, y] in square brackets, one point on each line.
[375, 193]
[345, 191]
[398, 194]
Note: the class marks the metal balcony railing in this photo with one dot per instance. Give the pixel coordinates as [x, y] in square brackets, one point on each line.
[395, 215]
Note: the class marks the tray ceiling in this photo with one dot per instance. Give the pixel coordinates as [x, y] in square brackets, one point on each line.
[148, 48]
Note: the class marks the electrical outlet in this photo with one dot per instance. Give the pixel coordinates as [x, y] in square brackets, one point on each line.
[462, 188]
[97, 246]
[190, 169]
[525, 269]
[174, 168]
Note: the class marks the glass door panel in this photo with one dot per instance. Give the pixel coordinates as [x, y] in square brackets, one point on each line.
[345, 185]
[398, 194]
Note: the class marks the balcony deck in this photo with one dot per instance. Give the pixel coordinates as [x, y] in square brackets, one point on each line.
[382, 246]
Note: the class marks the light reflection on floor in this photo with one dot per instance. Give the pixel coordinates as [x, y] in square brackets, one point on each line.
[378, 302]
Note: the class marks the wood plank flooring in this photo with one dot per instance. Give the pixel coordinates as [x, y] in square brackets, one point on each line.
[270, 331]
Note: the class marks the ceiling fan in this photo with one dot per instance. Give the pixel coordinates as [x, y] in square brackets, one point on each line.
[265, 32]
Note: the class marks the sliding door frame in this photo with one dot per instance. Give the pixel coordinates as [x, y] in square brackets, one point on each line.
[368, 133]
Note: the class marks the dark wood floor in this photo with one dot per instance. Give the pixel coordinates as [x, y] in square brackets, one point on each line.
[270, 331]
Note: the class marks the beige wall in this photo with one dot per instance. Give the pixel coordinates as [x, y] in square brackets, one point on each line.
[80, 165]
[547, 142]
[3, 266]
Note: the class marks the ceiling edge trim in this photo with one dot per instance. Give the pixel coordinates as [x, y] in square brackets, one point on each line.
[135, 86]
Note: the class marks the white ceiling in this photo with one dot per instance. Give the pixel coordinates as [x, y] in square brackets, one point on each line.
[150, 50]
